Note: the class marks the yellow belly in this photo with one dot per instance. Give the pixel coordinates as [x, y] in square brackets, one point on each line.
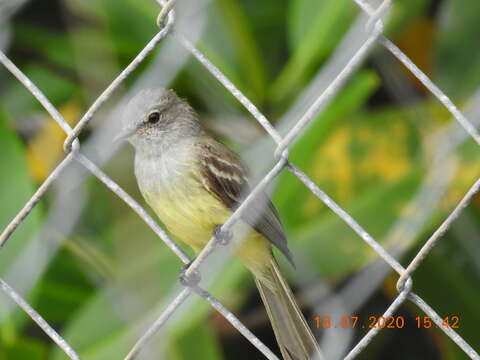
[191, 219]
[191, 214]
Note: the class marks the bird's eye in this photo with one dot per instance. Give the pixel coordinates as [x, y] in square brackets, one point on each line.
[153, 117]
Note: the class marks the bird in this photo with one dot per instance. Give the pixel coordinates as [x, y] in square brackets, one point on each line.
[194, 183]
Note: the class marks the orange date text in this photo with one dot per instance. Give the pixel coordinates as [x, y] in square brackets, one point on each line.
[387, 322]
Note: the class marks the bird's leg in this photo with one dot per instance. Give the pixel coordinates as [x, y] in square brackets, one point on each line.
[191, 279]
[222, 237]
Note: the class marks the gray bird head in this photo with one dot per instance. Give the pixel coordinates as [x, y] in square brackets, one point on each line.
[158, 117]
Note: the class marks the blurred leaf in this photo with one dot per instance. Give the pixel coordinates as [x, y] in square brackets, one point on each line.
[371, 167]
[403, 13]
[206, 87]
[220, 45]
[91, 257]
[8, 331]
[131, 24]
[366, 171]
[243, 37]
[56, 87]
[46, 148]
[24, 349]
[333, 248]
[457, 60]
[15, 189]
[63, 288]
[315, 27]
[417, 43]
[267, 19]
[453, 291]
[57, 54]
[303, 152]
[199, 343]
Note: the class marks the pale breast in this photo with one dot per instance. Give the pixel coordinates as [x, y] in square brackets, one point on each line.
[170, 185]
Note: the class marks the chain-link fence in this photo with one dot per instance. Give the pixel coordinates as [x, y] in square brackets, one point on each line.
[72, 148]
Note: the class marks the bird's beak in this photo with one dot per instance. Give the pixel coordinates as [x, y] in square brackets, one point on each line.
[122, 136]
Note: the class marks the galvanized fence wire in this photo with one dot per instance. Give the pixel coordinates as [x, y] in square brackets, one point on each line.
[190, 277]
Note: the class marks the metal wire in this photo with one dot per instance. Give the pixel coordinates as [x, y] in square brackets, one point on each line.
[39, 320]
[191, 276]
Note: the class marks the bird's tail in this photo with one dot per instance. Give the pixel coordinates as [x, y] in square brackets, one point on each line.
[294, 337]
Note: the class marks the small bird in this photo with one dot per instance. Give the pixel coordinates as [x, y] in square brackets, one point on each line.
[194, 183]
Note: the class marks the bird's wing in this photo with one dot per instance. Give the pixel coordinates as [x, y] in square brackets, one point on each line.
[224, 176]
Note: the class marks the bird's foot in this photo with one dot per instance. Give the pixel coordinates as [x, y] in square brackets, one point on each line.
[222, 237]
[192, 279]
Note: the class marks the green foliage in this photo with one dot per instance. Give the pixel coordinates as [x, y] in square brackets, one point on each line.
[456, 66]
[456, 296]
[15, 189]
[243, 38]
[24, 349]
[303, 152]
[113, 277]
[315, 27]
[199, 343]
[404, 13]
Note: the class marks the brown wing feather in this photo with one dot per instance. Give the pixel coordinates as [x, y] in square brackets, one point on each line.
[224, 175]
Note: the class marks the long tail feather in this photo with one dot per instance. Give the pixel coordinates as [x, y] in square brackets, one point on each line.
[294, 337]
